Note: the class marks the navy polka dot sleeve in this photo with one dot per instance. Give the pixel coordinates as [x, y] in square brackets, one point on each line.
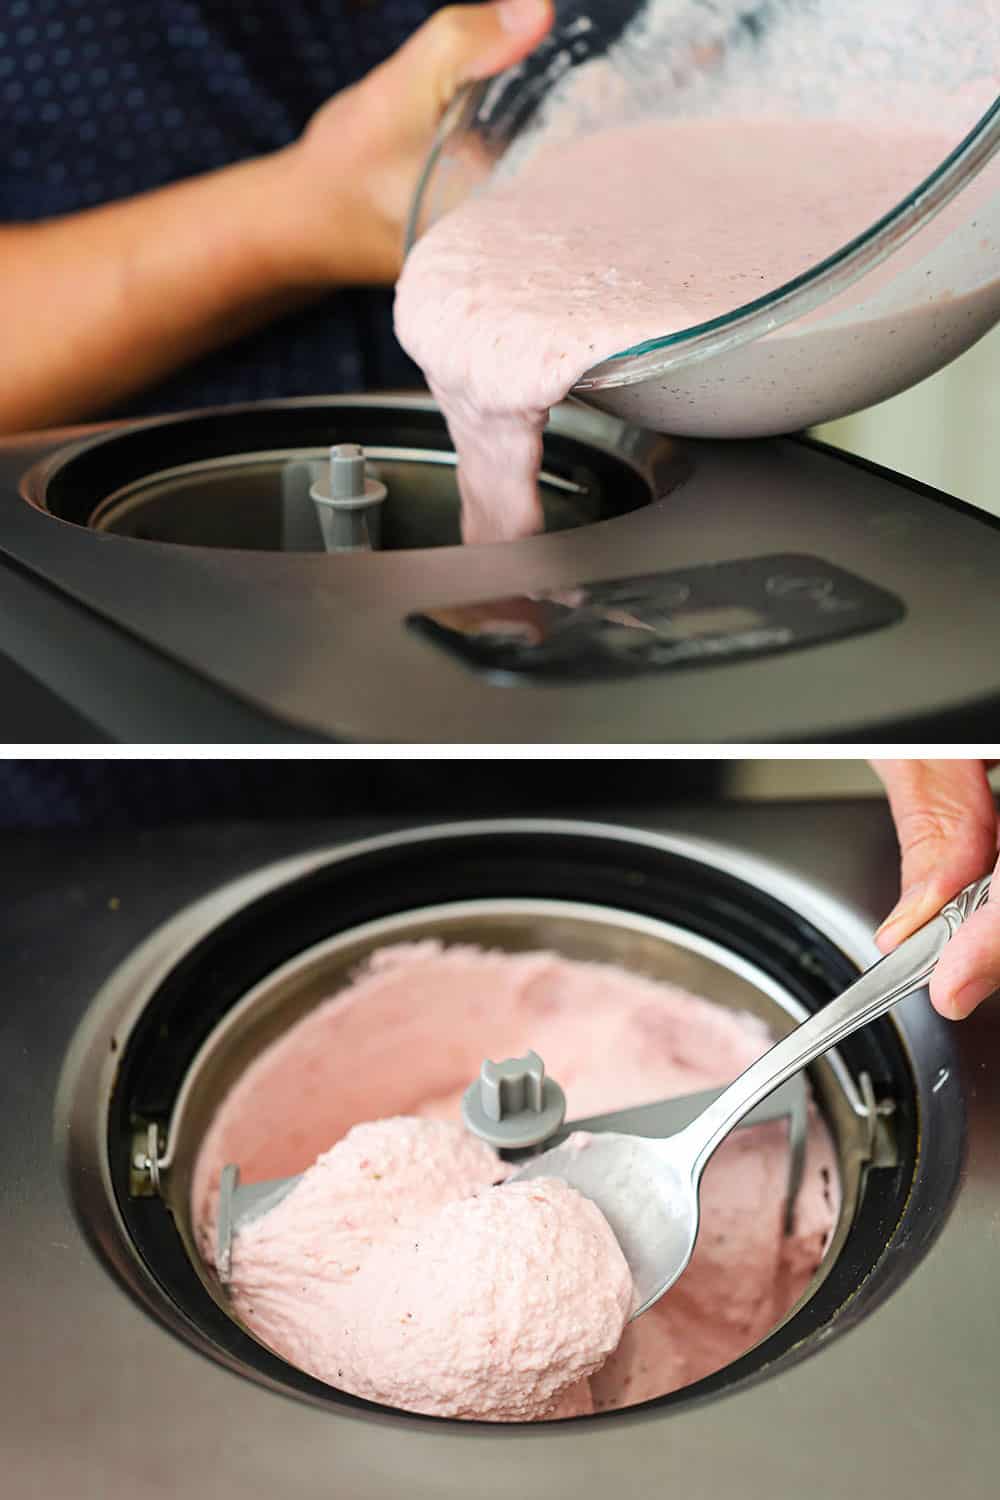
[103, 101]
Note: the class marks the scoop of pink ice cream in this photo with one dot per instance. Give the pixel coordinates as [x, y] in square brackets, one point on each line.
[495, 1307]
[378, 1177]
[373, 1183]
[394, 1271]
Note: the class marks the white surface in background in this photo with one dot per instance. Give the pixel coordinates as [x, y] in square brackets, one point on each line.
[945, 431]
[775, 780]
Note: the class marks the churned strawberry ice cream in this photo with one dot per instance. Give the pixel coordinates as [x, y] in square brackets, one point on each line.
[404, 1269]
[397, 1271]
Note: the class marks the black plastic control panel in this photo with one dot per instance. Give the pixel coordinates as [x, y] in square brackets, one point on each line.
[694, 617]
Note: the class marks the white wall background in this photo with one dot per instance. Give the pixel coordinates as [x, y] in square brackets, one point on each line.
[778, 780]
[945, 431]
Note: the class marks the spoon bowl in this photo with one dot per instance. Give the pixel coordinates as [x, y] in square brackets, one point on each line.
[645, 1190]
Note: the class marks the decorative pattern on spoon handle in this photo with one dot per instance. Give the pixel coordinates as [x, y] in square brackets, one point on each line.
[899, 974]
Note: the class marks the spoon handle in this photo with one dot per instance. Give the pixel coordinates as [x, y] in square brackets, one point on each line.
[894, 977]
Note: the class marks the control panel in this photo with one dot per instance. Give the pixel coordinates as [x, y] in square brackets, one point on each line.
[694, 617]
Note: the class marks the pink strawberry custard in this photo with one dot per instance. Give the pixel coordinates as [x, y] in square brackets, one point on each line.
[402, 1269]
[629, 235]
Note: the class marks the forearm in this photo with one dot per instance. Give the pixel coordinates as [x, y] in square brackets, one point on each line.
[101, 303]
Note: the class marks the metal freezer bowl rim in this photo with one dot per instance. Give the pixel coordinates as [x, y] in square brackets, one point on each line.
[275, 879]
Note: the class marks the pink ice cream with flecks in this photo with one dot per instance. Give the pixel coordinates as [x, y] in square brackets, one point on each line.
[396, 1270]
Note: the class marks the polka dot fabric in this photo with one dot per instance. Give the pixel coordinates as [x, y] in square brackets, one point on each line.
[103, 795]
[103, 101]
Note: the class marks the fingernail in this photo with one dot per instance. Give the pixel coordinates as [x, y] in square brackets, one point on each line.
[522, 15]
[904, 911]
[965, 999]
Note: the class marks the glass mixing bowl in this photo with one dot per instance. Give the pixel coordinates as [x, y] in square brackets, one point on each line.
[926, 275]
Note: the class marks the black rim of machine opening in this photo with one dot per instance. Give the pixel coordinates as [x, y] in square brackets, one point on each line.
[80, 484]
[592, 869]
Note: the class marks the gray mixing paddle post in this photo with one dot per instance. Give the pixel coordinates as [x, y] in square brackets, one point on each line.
[349, 504]
[512, 1104]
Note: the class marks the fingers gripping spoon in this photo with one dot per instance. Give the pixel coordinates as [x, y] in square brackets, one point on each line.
[648, 1189]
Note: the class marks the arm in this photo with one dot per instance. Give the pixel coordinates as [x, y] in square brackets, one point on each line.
[98, 304]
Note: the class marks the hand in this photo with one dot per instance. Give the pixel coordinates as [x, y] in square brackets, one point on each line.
[946, 821]
[384, 126]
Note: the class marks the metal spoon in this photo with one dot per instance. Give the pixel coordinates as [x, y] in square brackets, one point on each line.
[648, 1189]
